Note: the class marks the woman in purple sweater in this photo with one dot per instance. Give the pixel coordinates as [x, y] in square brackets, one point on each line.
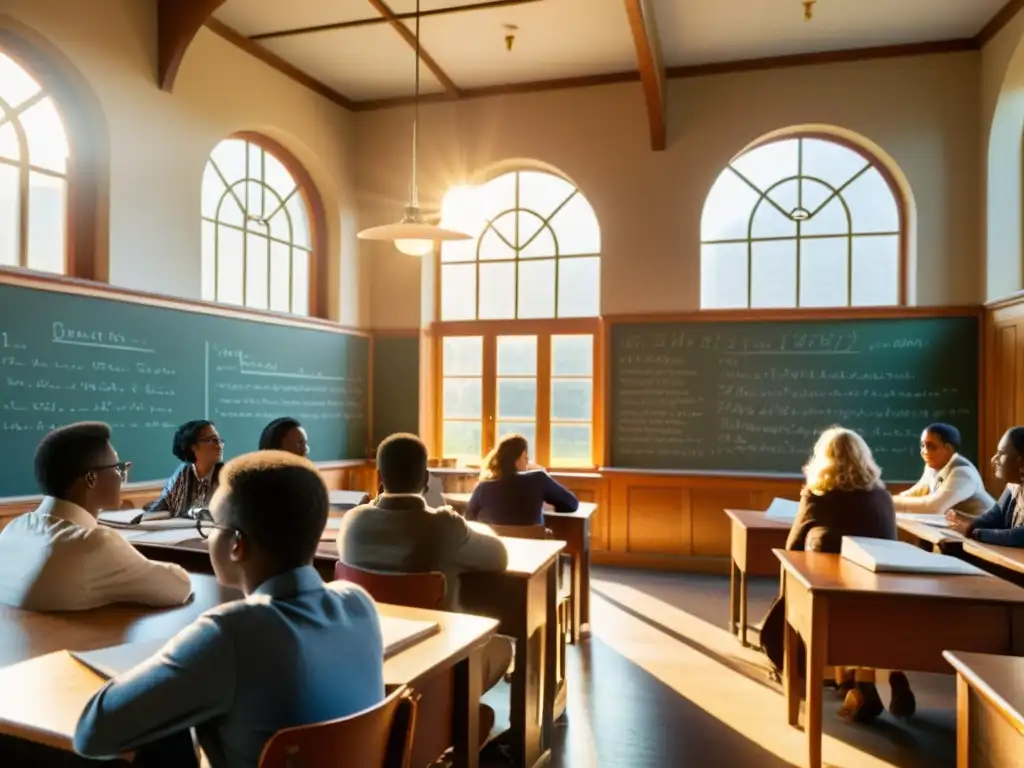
[511, 492]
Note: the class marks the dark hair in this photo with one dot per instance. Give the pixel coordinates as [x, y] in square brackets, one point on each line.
[501, 461]
[67, 453]
[402, 463]
[274, 432]
[947, 433]
[186, 436]
[279, 501]
[1016, 437]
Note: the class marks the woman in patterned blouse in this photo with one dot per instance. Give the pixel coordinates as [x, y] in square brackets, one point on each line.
[201, 450]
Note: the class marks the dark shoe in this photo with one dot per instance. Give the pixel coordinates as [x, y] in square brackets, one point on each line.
[902, 703]
[862, 704]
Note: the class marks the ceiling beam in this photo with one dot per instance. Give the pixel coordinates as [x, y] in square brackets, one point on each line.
[652, 69]
[1001, 18]
[382, 8]
[178, 21]
[482, 6]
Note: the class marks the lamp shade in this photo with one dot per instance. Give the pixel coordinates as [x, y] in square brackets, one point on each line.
[415, 247]
[412, 230]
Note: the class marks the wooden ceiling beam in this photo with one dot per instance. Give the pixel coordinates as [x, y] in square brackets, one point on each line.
[482, 6]
[651, 66]
[178, 21]
[450, 89]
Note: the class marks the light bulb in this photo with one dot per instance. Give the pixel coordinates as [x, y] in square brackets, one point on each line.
[415, 247]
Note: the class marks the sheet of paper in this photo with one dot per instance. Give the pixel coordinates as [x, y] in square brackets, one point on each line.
[400, 634]
[117, 659]
[939, 521]
[884, 556]
[782, 509]
[120, 516]
[151, 525]
[172, 536]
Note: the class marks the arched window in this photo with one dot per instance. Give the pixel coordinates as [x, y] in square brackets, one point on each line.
[802, 222]
[518, 320]
[257, 241]
[33, 173]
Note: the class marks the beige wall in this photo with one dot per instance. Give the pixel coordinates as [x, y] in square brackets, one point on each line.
[159, 142]
[922, 111]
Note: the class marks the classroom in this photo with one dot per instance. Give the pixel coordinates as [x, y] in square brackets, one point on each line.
[584, 383]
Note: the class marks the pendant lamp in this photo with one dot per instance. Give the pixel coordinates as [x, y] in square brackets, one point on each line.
[413, 235]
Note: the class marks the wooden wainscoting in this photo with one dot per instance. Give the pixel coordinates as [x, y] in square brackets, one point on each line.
[1003, 383]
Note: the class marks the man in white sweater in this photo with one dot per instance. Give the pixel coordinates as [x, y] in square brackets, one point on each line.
[949, 482]
[58, 558]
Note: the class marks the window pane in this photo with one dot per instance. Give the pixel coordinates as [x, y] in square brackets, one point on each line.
[257, 263]
[872, 205]
[280, 226]
[831, 219]
[831, 162]
[497, 291]
[461, 440]
[576, 228]
[579, 288]
[276, 176]
[458, 250]
[517, 355]
[572, 400]
[254, 196]
[280, 277]
[723, 276]
[876, 271]
[229, 155]
[773, 265]
[47, 141]
[769, 163]
[300, 281]
[229, 210]
[536, 239]
[229, 265]
[517, 398]
[47, 214]
[213, 190]
[8, 211]
[727, 210]
[300, 221]
[497, 195]
[9, 147]
[463, 356]
[209, 261]
[499, 239]
[769, 221]
[786, 195]
[814, 194]
[527, 429]
[543, 192]
[462, 398]
[16, 85]
[572, 355]
[537, 288]
[823, 272]
[571, 445]
[458, 292]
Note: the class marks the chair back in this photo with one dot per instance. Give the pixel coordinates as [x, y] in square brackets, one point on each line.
[416, 590]
[379, 737]
[522, 531]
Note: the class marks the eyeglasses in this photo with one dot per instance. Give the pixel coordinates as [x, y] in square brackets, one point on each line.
[122, 468]
[205, 524]
[213, 440]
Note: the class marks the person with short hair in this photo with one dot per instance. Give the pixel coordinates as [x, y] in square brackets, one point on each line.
[949, 482]
[201, 451]
[294, 651]
[1003, 524]
[285, 434]
[57, 557]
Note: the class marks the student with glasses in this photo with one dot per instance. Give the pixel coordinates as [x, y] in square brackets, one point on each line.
[57, 557]
[201, 450]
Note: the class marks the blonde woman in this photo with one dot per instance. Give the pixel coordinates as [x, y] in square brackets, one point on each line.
[844, 496]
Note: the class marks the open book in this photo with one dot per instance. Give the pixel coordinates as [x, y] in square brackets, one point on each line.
[155, 521]
[783, 510]
[884, 556]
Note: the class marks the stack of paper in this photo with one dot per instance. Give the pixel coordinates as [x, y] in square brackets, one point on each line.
[884, 556]
[939, 521]
[782, 509]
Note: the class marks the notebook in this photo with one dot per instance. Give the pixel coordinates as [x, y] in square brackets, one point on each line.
[783, 510]
[399, 635]
[884, 556]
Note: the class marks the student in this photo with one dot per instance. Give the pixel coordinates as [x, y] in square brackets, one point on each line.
[510, 492]
[295, 651]
[1003, 524]
[200, 449]
[844, 496]
[58, 558]
[285, 434]
[949, 482]
[398, 532]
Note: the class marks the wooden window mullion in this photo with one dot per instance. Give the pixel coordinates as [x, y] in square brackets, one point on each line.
[542, 450]
[489, 394]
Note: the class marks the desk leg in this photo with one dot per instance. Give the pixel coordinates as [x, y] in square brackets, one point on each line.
[531, 715]
[791, 674]
[734, 598]
[743, 609]
[581, 625]
[963, 723]
[466, 712]
[553, 643]
[817, 646]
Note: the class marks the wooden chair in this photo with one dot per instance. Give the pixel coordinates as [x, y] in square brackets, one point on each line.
[416, 590]
[379, 737]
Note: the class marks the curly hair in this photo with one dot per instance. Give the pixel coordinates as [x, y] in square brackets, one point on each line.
[841, 461]
[501, 461]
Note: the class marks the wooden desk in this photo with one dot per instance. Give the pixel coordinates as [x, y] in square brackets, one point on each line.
[33, 643]
[754, 536]
[1005, 562]
[839, 608]
[930, 537]
[989, 703]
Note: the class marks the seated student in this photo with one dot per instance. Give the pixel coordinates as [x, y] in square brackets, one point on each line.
[1003, 524]
[398, 532]
[949, 482]
[58, 558]
[510, 492]
[285, 434]
[295, 651]
[844, 496]
[200, 449]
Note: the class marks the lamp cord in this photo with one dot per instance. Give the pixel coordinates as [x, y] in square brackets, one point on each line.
[415, 196]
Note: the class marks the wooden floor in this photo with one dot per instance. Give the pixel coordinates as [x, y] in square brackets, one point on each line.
[662, 683]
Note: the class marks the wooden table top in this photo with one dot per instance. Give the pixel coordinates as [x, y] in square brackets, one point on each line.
[933, 534]
[819, 572]
[1011, 558]
[750, 518]
[998, 679]
[586, 508]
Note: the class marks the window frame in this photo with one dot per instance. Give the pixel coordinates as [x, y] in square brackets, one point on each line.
[318, 293]
[873, 161]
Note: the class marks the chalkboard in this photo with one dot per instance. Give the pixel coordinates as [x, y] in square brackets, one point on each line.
[753, 396]
[145, 369]
[396, 385]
